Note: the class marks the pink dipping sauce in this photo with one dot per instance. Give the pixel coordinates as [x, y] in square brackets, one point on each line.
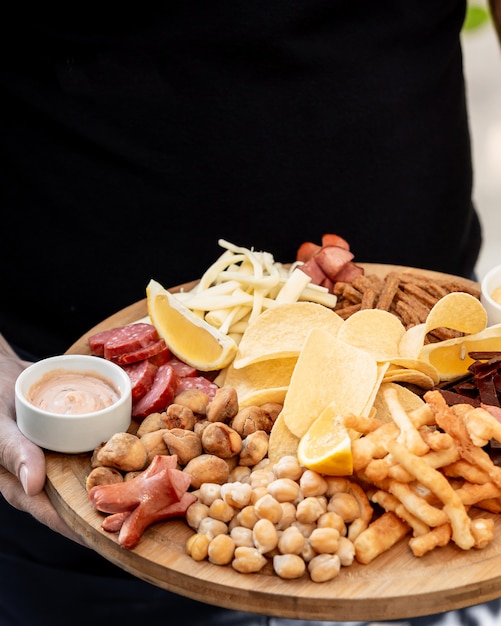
[72, 393]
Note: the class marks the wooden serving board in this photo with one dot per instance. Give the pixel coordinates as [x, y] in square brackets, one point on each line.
[396, 585]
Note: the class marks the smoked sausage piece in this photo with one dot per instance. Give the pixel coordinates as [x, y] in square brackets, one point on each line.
[142, 375]
[160, 395]
[129, 339]
[141, 354]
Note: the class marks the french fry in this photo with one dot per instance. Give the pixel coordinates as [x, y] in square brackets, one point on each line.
[437, 484]
[390, 503]
[381, 535]
[439, 536]
[409, 435]
[449, 422]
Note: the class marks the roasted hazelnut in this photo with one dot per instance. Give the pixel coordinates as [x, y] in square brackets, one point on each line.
[179, 416]
[250, 419]
[219, 439]
[224, 405]
[184, 443]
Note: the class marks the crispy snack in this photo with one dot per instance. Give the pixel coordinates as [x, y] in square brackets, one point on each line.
[381, 535]
[427, 468]
[409, 296]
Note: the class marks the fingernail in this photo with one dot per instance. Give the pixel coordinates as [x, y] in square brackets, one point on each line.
[23, 477]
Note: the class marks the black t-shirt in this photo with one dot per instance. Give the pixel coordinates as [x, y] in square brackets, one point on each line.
[134, 139]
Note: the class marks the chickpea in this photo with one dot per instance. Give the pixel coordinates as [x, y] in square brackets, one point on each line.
[208, 492]
[240, 474]
[324, 540]
[346, 551]
[221, 510]
[236, 494]
[265, 535]
[221, 550]
[332, 520]
[197, 547]
[312, 484]
[269, 508]
[288, 515]
[288, 566]
[288, 467]
[248, 560]
[291, 541]
[258, 493]
[212, 527]
[284, 489]
[304, 529]
[345, 505]
[308, 552]
[196, 513]
[247, 516]
[310, 509]
[261, 477]
[336, 484]
[324, 567]
[242, 536]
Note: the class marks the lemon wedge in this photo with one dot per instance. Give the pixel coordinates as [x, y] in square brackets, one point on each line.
[450, 358]
[189, 337]
[326, 445]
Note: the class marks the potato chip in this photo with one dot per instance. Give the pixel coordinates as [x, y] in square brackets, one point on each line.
[375, 331]
[328, 370]
[417, 364]
[459, 311]
[408, 399]
[280, 332]
[281, 441]
[395, 374]
[264, 379]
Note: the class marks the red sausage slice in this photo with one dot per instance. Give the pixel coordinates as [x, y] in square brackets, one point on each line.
[142, 375]
[160, 394]
[197, 382]
[129, 339]
[147, 352]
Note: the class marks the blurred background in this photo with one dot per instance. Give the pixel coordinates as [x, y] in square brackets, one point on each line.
[482, 62]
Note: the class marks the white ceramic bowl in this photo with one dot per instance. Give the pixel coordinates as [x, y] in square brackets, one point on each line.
[72, 432]
[491, 281]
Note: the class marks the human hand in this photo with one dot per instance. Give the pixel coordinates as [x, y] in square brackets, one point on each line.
[22, 463]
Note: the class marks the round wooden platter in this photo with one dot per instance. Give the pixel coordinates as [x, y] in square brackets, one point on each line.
[396, 585]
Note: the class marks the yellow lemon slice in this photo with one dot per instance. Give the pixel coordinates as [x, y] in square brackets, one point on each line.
[189, 337]
[450, 358]
[326, 446]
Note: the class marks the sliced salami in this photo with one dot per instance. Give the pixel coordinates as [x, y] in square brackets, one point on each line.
[96, 342]
[142, 375]
[182, 369]
[129, 339]
[197, 382]
[160, 394]
[141, 354]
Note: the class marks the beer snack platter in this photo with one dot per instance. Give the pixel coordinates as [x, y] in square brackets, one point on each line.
[396, 585]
